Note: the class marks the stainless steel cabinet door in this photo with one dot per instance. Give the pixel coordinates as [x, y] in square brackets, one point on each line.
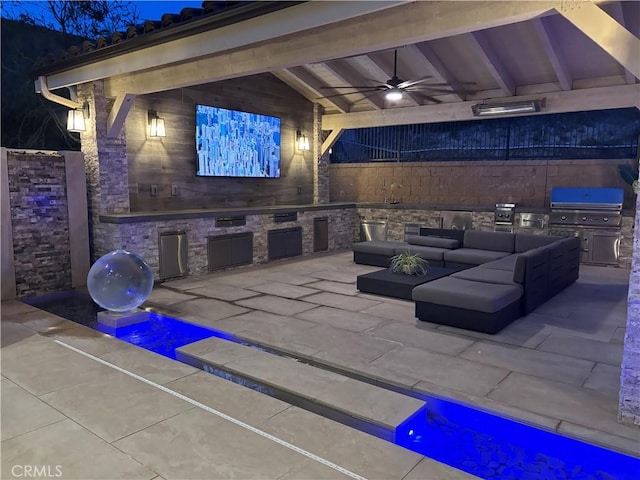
[605, 247]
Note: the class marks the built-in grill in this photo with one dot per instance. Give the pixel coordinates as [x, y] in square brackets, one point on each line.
[503, 217]
[592, 214]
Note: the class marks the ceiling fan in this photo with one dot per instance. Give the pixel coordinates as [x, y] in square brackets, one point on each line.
[395, 87]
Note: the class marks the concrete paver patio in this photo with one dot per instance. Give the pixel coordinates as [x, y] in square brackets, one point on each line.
[558, 368]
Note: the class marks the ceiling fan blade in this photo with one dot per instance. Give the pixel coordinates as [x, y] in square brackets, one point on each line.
[355, 92]
[366, 96]
[440, 84]
[425, 88]
[408, 83]
[432, 99]
[395, 62]
[356, 86]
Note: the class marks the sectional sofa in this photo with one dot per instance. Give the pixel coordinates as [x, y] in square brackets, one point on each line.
[503, 276]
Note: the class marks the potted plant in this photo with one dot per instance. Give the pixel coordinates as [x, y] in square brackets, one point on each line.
[409, 263]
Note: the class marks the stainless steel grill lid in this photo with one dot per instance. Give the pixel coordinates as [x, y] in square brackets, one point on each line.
[587, 198]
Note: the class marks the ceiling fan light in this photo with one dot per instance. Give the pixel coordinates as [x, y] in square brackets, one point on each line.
[394, 95]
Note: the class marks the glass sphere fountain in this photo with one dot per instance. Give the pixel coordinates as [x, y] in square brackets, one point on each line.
[120, 281]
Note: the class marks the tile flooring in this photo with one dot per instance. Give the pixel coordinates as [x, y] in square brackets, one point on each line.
[558, 367]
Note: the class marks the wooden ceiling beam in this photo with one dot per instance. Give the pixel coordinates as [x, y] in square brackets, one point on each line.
[299, 82]
[606, 32]
[330, 140]
[551, 46]
[488, 57]
[440, 73]
[401, 25]
[294, 20]
[558, 102]
[616, 11]
[305, 81]
[118, 114]
[345, 73]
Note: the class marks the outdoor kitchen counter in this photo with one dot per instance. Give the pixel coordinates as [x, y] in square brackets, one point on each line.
[138, 217]
[461, 208]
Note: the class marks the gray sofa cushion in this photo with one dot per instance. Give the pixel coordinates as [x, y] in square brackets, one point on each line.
[495, 241]
[527, 241]
[471, 256]
[376, 246]
[432, 241]
[478, 296]
[505, 263]
[428, 253]
[488, 275]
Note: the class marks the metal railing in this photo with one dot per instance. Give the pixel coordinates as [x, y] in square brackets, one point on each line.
[606, 134]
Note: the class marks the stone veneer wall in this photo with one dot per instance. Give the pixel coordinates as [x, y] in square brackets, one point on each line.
[40, 222]
[629, 399]
[625, 257]
[321, 192]
[106, 167]
[142, 238]
[396, 218]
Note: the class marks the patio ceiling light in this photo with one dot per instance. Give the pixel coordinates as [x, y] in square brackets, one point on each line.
[394, 95]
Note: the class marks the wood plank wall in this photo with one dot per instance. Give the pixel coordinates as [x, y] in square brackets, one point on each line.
[172, 160]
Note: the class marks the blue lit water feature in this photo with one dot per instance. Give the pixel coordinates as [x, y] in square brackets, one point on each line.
[162, 334]
[483, 444]
[493, 447]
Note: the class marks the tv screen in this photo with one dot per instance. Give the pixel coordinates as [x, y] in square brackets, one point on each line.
[230, 143]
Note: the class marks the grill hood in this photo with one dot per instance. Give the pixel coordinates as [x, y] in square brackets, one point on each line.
[588, 198]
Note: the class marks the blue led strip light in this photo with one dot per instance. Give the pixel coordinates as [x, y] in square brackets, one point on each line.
[240, 423]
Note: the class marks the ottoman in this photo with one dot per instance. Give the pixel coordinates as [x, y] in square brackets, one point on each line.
[478, 306]
[374, 252]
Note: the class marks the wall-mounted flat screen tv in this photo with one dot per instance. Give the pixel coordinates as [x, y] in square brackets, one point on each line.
[230, 143]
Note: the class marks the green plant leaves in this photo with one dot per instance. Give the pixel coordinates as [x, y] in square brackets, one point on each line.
[628, 173]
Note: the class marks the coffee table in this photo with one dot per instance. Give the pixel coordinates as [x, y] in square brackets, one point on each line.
[399, 285]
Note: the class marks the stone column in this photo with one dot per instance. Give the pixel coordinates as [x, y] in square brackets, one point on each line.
[321, 163]
[629, 411]
[106, 168]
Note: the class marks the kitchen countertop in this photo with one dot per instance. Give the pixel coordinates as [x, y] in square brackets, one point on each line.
[153, 216]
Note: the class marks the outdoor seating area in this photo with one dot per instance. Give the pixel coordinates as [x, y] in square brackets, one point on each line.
[495, 277]
[321, 240]
[556, 368]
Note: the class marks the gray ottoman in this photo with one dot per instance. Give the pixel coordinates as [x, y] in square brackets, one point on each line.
[478, 306]
[374, 252]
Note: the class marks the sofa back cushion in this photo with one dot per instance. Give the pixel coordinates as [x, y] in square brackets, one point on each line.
[527, 241]
[495, 241]
[432, 241]
[532, 264]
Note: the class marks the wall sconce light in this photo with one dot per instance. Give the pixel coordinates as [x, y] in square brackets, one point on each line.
[302, 141]
[528, 106]
[156, 125]
[76, 119]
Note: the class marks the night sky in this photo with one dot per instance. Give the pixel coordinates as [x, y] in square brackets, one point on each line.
[149, 10]
[153, 10]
